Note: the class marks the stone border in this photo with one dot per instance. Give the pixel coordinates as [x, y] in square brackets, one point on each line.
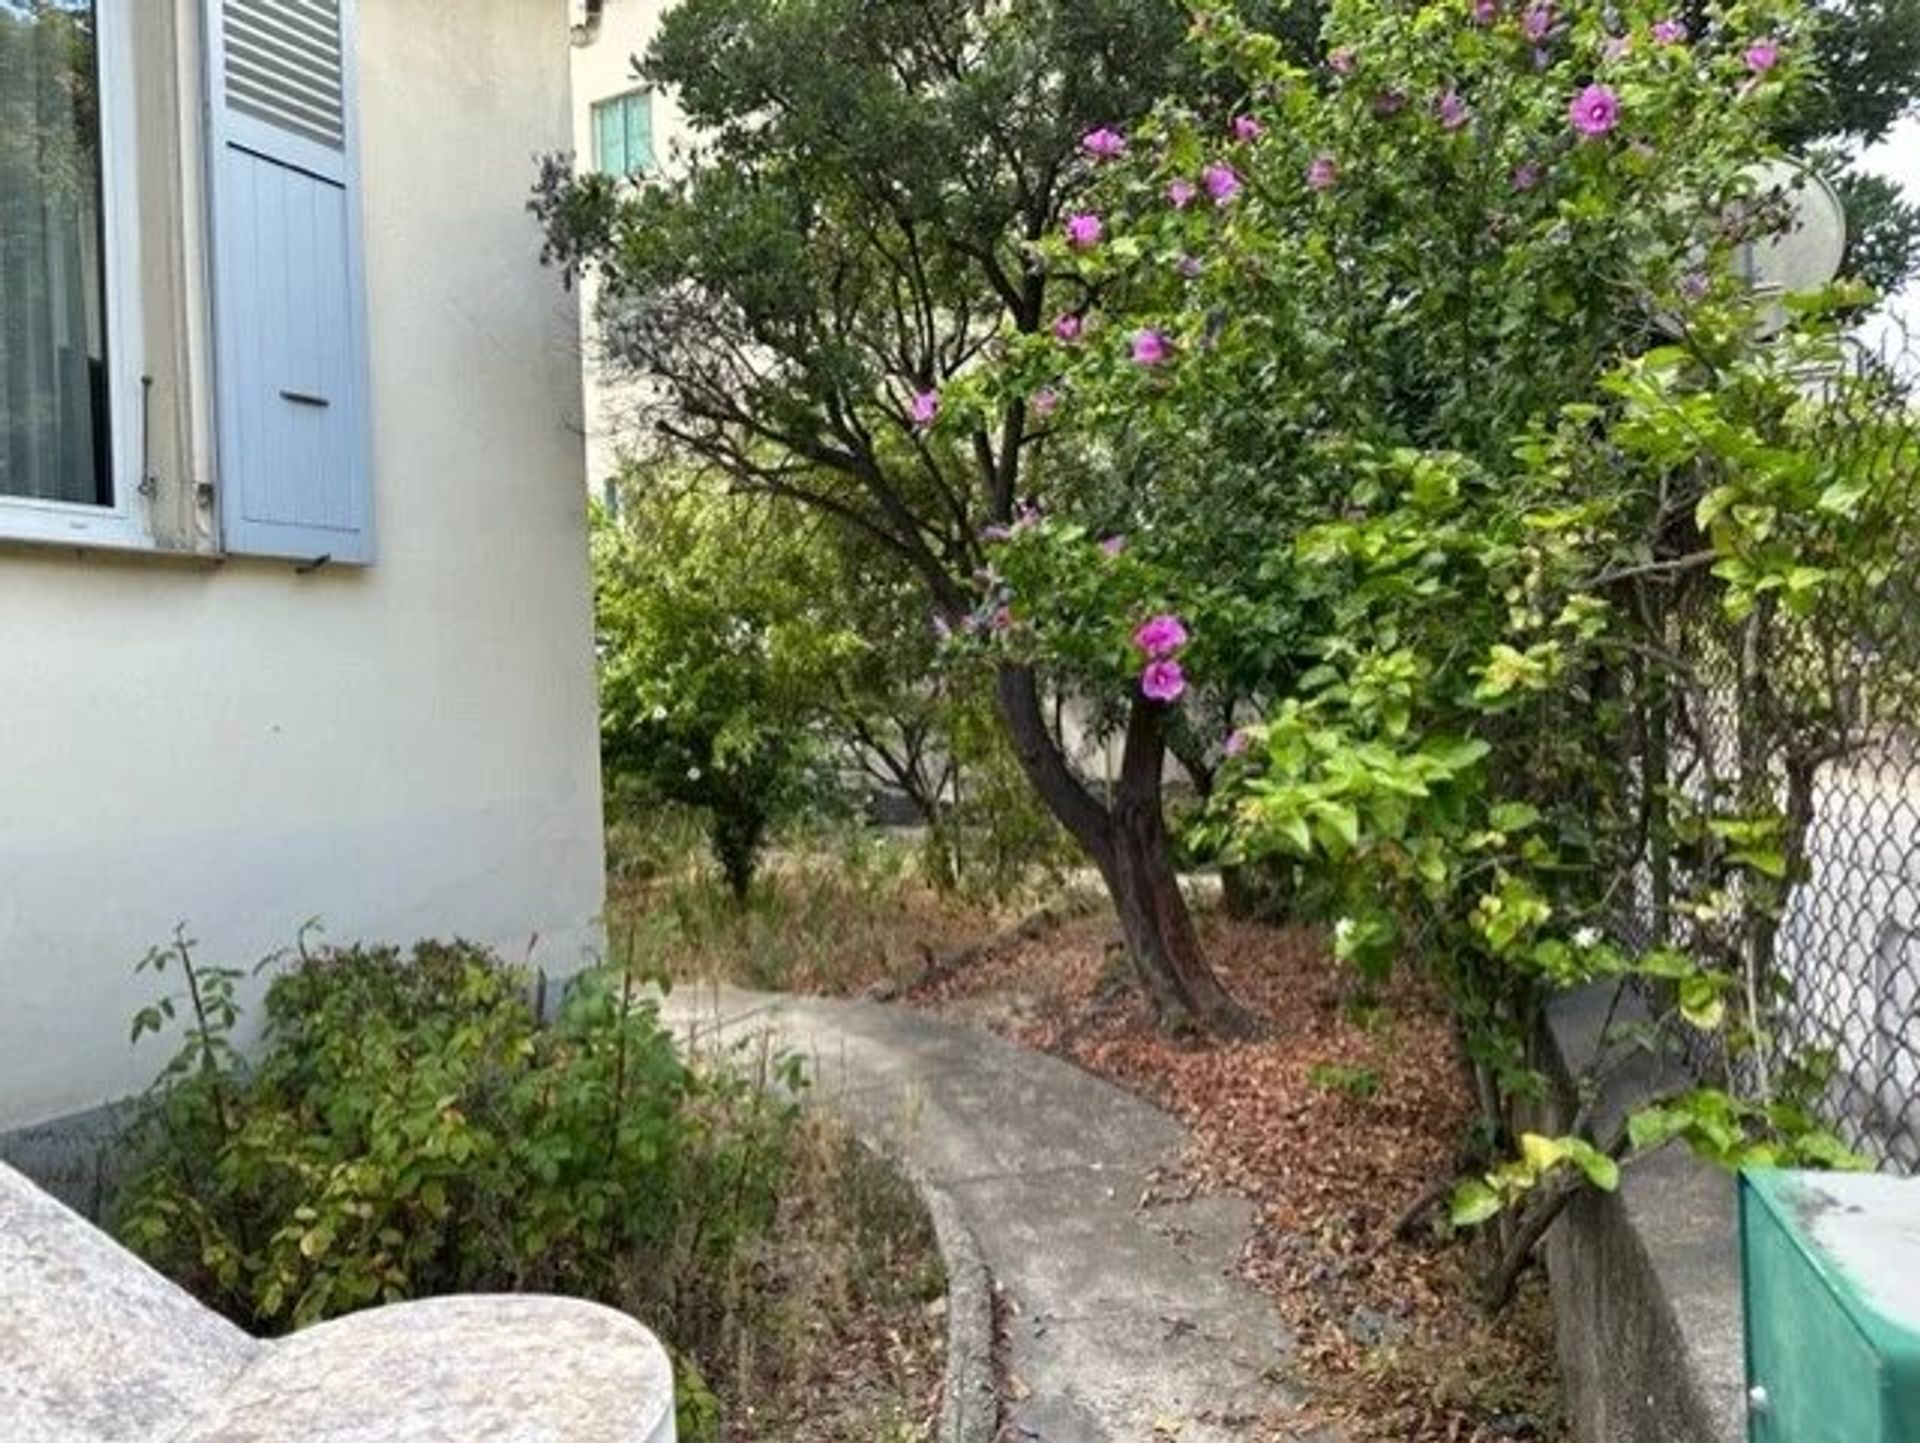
[969, 1396]
[1646, 1280]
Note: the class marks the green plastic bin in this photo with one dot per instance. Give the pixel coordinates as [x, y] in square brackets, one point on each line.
[1830, 1266]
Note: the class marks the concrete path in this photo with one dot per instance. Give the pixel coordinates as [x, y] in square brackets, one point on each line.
[1125, 1324]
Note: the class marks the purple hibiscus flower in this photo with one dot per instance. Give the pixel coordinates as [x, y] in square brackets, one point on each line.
[1222, 183]
[1151, 348]
[1161, 636]
[1594, 111]
[1163, 681]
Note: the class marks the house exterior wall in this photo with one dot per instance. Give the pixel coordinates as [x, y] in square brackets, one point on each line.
[401, 751]
[602, 68]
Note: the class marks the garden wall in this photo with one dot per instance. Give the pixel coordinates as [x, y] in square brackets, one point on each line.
[1646, 1281]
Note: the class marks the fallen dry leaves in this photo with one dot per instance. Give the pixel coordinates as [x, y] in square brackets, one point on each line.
[1333, 1123]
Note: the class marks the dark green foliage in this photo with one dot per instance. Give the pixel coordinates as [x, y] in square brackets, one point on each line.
[1883, 231]
[408, 1128]
[1869, 62]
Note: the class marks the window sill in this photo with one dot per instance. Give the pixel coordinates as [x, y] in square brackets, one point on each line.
[59, 525]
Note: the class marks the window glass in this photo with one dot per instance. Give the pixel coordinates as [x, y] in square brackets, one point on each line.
[623, 134]
[53, 333]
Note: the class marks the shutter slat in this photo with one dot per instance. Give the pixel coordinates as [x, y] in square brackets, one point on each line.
[283, 66]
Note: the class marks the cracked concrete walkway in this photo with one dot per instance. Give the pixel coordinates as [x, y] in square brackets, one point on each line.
[1127, 1324]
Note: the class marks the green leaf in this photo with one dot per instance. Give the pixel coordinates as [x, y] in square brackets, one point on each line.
[1473, 1203]
[1600, 1170]
[1702, 1003]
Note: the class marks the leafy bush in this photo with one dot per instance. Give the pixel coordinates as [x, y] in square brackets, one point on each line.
[716, 660]
[408, 1127]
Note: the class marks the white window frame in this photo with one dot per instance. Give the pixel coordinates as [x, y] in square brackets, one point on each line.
[123, 525]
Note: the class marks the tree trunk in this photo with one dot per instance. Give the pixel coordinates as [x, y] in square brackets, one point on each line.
[1129, 846]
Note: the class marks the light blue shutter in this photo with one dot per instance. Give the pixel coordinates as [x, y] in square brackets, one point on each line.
[289, 308]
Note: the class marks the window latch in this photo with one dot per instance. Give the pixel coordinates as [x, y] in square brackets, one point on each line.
[305, 398]
[149, 485]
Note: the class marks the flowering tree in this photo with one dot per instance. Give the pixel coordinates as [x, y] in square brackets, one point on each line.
[1426, 396]
[856, 230]
[1458, 221]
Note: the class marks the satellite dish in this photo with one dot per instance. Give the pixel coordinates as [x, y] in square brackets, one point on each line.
[1804, 254]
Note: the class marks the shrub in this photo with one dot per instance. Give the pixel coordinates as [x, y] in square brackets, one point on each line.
[409, 1127]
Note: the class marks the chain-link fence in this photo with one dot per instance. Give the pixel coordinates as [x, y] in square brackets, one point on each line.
[1818, 723]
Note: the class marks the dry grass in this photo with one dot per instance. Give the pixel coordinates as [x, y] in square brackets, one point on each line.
[848, 1335]
[1333, 1123]
[811, 923]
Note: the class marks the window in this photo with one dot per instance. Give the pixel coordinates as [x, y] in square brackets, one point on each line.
[623, 134]
[183, 356]
[64, 356]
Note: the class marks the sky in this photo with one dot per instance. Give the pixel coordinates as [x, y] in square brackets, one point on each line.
[1898, 158]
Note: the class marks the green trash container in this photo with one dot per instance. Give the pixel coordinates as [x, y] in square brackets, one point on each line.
[1830, 1267]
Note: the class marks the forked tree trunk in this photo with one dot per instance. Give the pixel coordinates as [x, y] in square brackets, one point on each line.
[1129, 846]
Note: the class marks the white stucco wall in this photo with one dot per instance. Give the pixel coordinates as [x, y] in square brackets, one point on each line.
[602, 68]
[403, 751]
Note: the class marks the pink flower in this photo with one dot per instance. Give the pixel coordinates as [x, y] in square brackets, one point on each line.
[1670, 31]
[1322, 174]
[1245, 127]
[1762, 56]
[1180, 193]
[1084, 230]
[1452, 110]
[1594, 111]
[1002, 619]
[925, 409]
[1236, 743]
[1067, 328]
[1161, 636]
[1113, 545]
[1222, 183]
[1104, 144]
[1389, 102]
[1190, 267]
[1046, 401]
[1151, 348]
[1341, 61]
[1618, 47]
[1526, 176]
[1485, 12]
[1537, 22]
[1163, 681]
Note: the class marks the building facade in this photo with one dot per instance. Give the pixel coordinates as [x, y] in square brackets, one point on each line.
[293, 577]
